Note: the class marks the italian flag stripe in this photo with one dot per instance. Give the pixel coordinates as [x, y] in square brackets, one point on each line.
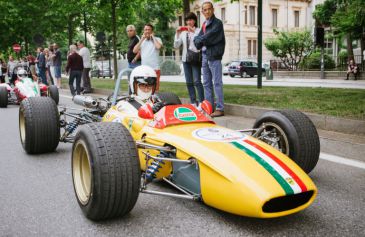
[279, 162]
[283, 183]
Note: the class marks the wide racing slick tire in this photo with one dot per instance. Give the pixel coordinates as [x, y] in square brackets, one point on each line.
[3, 97]
[105, 170]
[296, 134]
[53, 93]
[39, 125]
[168, 97]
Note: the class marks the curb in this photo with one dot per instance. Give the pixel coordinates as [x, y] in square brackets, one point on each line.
[325, 122]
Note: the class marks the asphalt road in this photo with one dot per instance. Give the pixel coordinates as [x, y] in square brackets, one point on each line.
[37, 199]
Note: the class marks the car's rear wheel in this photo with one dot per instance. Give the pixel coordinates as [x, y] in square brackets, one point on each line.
[231, 75]
[3, 97]
[105, 170]
[53, 93]
[39, 125]
[292, 133]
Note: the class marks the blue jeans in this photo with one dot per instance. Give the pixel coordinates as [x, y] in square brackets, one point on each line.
[134, 65]
[42, 75]
[212, 82]
[75, 74]
[193, 79]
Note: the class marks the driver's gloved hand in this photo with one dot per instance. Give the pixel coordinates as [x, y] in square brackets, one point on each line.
[157, 106]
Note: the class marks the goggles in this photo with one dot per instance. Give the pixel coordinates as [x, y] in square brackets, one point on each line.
[146, 80]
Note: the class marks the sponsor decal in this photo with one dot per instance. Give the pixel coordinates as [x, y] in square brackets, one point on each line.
[185, 114]
[218, 134]
[286, 178]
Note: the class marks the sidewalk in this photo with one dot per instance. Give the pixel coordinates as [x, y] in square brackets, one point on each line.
[297, 82]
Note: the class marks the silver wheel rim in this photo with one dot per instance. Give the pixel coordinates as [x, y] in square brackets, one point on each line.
[275, 136]
[81, 172]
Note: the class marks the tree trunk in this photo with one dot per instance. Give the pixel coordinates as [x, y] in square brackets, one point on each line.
[186, 7]
[69, 29]
[114, 26]
[350, 50]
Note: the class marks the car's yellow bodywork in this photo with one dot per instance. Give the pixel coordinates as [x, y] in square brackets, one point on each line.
[235, 171]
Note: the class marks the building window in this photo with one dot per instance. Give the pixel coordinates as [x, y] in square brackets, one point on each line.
[251, 47]
[180, 21]
[252, 15]
[296, 18]
[198, 16]
[245, 15]
[223, 14]
[274, 17]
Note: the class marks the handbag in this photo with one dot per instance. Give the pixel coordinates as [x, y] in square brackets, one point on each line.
[191, 56]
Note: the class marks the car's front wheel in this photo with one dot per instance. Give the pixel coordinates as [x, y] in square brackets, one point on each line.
[292, 133]
[105, 170]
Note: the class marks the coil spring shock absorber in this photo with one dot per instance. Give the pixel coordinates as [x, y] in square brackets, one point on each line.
[71, 127]
[154, 167]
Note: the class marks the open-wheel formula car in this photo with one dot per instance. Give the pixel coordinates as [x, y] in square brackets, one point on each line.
[22, 86]
[123, 146]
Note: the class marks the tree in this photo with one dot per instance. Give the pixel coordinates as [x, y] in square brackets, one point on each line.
[290, 47]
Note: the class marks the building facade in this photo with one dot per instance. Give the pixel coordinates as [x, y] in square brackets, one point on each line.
[240, 23]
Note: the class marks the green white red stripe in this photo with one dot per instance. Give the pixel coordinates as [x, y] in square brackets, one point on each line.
[287, 179]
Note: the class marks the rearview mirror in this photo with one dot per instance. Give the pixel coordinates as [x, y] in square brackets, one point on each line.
[145, 112]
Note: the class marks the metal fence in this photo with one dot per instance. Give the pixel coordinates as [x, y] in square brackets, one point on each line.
[337, 63]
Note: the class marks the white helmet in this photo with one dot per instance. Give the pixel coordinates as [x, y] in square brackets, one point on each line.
[142, 75]
[22, 73]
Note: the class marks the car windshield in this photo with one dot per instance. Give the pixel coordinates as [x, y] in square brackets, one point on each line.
[235, 63]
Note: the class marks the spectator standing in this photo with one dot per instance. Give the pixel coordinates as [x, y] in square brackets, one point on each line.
[57, 62]
[352, 68]
[74, 67]
[47, 55]
[211, 40]
[10, 68]
[31, 60]
[41, 64]
[149, 47]
[185, 36]
[134, 59]
[85, 54]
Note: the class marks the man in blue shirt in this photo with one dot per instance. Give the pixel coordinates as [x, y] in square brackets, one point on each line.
[211, 40]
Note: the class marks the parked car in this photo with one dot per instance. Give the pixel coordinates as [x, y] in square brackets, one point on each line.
[225, 68]
[98, 72]
[243, 68]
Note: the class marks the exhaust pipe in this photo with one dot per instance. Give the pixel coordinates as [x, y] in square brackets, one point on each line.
[86, 101]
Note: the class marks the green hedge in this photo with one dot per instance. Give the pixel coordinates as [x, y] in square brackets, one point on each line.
[170, 67]
[313, 61]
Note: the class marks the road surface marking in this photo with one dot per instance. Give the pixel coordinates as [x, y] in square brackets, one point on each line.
[341, 160]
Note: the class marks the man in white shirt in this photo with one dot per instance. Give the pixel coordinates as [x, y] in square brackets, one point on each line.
[85, 54]
[150, 46]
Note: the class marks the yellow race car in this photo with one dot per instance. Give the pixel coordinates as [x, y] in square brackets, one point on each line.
[259, 172]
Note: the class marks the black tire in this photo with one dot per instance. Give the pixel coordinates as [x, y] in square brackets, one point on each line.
[252, 75]
[3, 97]
[105, 170]
[39, 125]
[231, 75]
[168, 97]
[298, 136]
[53, 93]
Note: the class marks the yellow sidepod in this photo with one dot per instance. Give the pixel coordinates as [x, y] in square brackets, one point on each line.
[233, 179]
